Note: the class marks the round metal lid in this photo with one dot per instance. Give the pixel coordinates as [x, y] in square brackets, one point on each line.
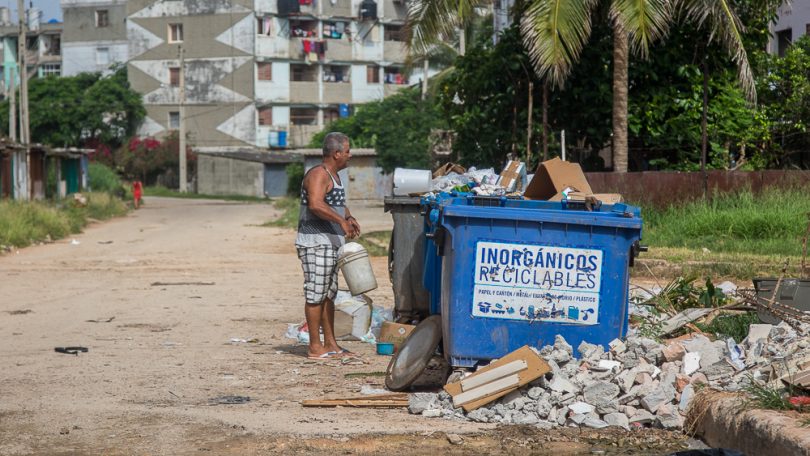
[414, 354]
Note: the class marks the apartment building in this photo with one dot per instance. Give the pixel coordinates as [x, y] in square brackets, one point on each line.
[94, 36]
[792, 22]
[216, 40]
[315, 59]
[43, 47]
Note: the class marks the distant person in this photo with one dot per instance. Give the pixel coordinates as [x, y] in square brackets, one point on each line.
[323, 225]
[137, 193]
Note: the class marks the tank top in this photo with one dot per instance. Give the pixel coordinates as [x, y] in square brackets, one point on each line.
[314, 231]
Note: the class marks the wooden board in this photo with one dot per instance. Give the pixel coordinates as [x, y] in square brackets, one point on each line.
[537, 367]
[487, 389]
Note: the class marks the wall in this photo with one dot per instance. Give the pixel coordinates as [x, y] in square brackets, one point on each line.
[795, 16]
[363, 179]
[224, 176]
[664, 188]
[81, 57]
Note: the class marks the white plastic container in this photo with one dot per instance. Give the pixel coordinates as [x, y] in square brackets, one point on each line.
[356, 269]
[407, 181]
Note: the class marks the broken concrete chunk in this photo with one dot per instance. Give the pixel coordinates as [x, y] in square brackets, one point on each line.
[669, 418]
[608, 407]
[605, 364]
[581, 408]
[642, 417]
[686, 397]
[617, 419]
[535, 393]
[561, 384]
[757, 332]
[432, 413]
[617, 346]
[681, 381]
[656, 398]
[561, 344]
[595, 423]
[525, 418]
[419, 402]
[588, 351]
[600, 392]
[559, 356]
[691, 363]
[543, 409]
[674, 352]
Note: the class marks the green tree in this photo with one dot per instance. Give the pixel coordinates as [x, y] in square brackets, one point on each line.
[397, 127]
[76, 111]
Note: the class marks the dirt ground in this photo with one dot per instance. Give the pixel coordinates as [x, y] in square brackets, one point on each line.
[156, 297]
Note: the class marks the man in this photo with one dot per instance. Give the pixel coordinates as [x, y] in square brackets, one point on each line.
[324, 223]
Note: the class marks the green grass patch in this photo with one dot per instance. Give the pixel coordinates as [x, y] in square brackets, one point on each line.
[25, 223]
[102, 178]
[375, 242]
[735, 326]
[171, 193]
[289, 208]
[768, 397]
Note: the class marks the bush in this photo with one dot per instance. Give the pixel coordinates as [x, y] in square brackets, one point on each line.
[102, 178]
[295, 176]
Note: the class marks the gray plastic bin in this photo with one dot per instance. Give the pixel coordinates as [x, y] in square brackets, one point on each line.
[406, 258]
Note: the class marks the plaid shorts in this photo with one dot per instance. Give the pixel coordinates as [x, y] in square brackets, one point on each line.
[320, 273]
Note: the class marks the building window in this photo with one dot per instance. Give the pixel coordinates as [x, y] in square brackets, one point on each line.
[303, 116]
[394, 33]
[303, 73]
[336, 73]
[394, 76]
[175, 33]
[51, 69]
[783, 40]
[174, 120]
[264, 26]
[264, 71]
[174, 76]
[266, 116]
[807, 29]
[373, 74]
[335, 30]
[304, 28]
[102, 56]
[102, 18]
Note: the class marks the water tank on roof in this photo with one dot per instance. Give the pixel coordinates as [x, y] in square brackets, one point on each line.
[34, 17]
[5, 16]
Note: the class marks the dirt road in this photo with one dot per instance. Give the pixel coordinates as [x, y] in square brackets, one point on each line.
[156, 297]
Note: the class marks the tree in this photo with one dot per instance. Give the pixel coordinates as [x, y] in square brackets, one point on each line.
[79, 110]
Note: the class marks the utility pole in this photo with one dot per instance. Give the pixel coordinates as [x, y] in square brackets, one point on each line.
[24, 186]
[183, 171]
[12, 106]
[425, 67]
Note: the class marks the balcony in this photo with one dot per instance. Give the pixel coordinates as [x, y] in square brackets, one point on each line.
[395, 51]
[391, 89]
[272, 46]
[304, 92]
[338, 50]
[337, 92]
[341, 8]
[296, 49]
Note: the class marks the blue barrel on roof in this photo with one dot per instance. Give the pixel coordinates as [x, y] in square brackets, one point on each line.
[520, 272]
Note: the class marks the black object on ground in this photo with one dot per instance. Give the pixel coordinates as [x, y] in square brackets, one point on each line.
[227, 400]
[70, 350]
[414, 354]
[709, 452]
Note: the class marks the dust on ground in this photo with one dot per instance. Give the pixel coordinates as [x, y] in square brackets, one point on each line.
[157, 298]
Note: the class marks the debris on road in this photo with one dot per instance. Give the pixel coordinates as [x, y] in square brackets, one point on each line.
[392, 400]
[165, 284]
[19, 312]
[70, 350]
[229, 400]
[100, 320]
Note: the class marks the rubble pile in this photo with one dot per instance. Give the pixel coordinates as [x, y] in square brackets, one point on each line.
[637, 382]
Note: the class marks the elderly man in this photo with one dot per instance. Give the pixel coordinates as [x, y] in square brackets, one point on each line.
[324, 223]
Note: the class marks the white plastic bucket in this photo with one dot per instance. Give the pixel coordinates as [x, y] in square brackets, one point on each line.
[356, 268]
[407, 181]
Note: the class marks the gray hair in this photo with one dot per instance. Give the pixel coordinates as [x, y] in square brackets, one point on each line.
[333, 142]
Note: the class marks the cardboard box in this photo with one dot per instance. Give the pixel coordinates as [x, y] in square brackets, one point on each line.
[605, 198]
[448, 168]
[395, 333]
[513, 176]
[552, 177]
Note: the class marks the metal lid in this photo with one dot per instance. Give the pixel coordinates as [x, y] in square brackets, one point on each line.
[414, 354]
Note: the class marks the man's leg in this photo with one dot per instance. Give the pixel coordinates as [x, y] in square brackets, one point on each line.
[328, 325]
[313, 313]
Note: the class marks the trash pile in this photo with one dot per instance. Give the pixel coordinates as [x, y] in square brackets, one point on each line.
[638, 382]
[357, 318]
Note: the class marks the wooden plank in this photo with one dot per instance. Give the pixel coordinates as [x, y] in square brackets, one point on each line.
[494, 374]
[487, 389]
[537, 367]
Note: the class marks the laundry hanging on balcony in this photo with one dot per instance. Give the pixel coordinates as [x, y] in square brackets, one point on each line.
[314, 50]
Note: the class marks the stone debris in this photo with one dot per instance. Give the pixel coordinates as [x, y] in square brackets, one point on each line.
[638, 382]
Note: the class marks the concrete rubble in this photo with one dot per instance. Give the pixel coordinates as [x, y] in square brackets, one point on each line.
[638, 382]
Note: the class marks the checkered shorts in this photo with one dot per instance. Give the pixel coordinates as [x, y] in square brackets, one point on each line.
[320, 273]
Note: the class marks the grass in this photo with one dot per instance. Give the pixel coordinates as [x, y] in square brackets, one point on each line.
[734, 326]
[26, 223]
[768, 397]
[170, 193]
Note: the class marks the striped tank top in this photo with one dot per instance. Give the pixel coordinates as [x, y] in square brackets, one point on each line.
[313, 230]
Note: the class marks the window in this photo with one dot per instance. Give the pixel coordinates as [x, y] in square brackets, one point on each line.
[304, 28]
[174, 76]
[303, 73]
[394, 76]
[264, 71]
[783, 40]
[102, 18]
[103, 56]
[336, 73]
[51, 69]
[807, 29]
[372, 74]
[175, 33]
[266, 116]
[394, 33]
[264, 26]
[174, 120]
[303, 116]
[335, 30]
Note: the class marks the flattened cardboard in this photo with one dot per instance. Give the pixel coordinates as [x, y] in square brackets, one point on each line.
[512, 176]
[448, 168]
[553, 176]
[395, 333]
[537, 367]
[605, 198]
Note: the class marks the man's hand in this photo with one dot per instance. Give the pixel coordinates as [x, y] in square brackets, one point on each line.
[349, 229]
[354, 224]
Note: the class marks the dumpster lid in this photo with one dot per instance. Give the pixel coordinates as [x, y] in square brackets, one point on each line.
[414, 354]
[529, 211]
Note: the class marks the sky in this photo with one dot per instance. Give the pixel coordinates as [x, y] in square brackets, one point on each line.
[50, 8]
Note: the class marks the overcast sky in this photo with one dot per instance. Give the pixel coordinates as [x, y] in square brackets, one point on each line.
[50, 8]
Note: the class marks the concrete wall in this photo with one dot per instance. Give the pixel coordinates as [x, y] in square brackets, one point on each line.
[82, 57]
[224, 176]
[363, 179]
[794, 16]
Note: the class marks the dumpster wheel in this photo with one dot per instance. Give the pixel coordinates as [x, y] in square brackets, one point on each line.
[414, 354]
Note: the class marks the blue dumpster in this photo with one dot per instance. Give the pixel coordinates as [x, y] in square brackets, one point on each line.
[518, 272]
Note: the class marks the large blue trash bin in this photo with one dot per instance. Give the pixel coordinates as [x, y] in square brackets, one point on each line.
[521, 272]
